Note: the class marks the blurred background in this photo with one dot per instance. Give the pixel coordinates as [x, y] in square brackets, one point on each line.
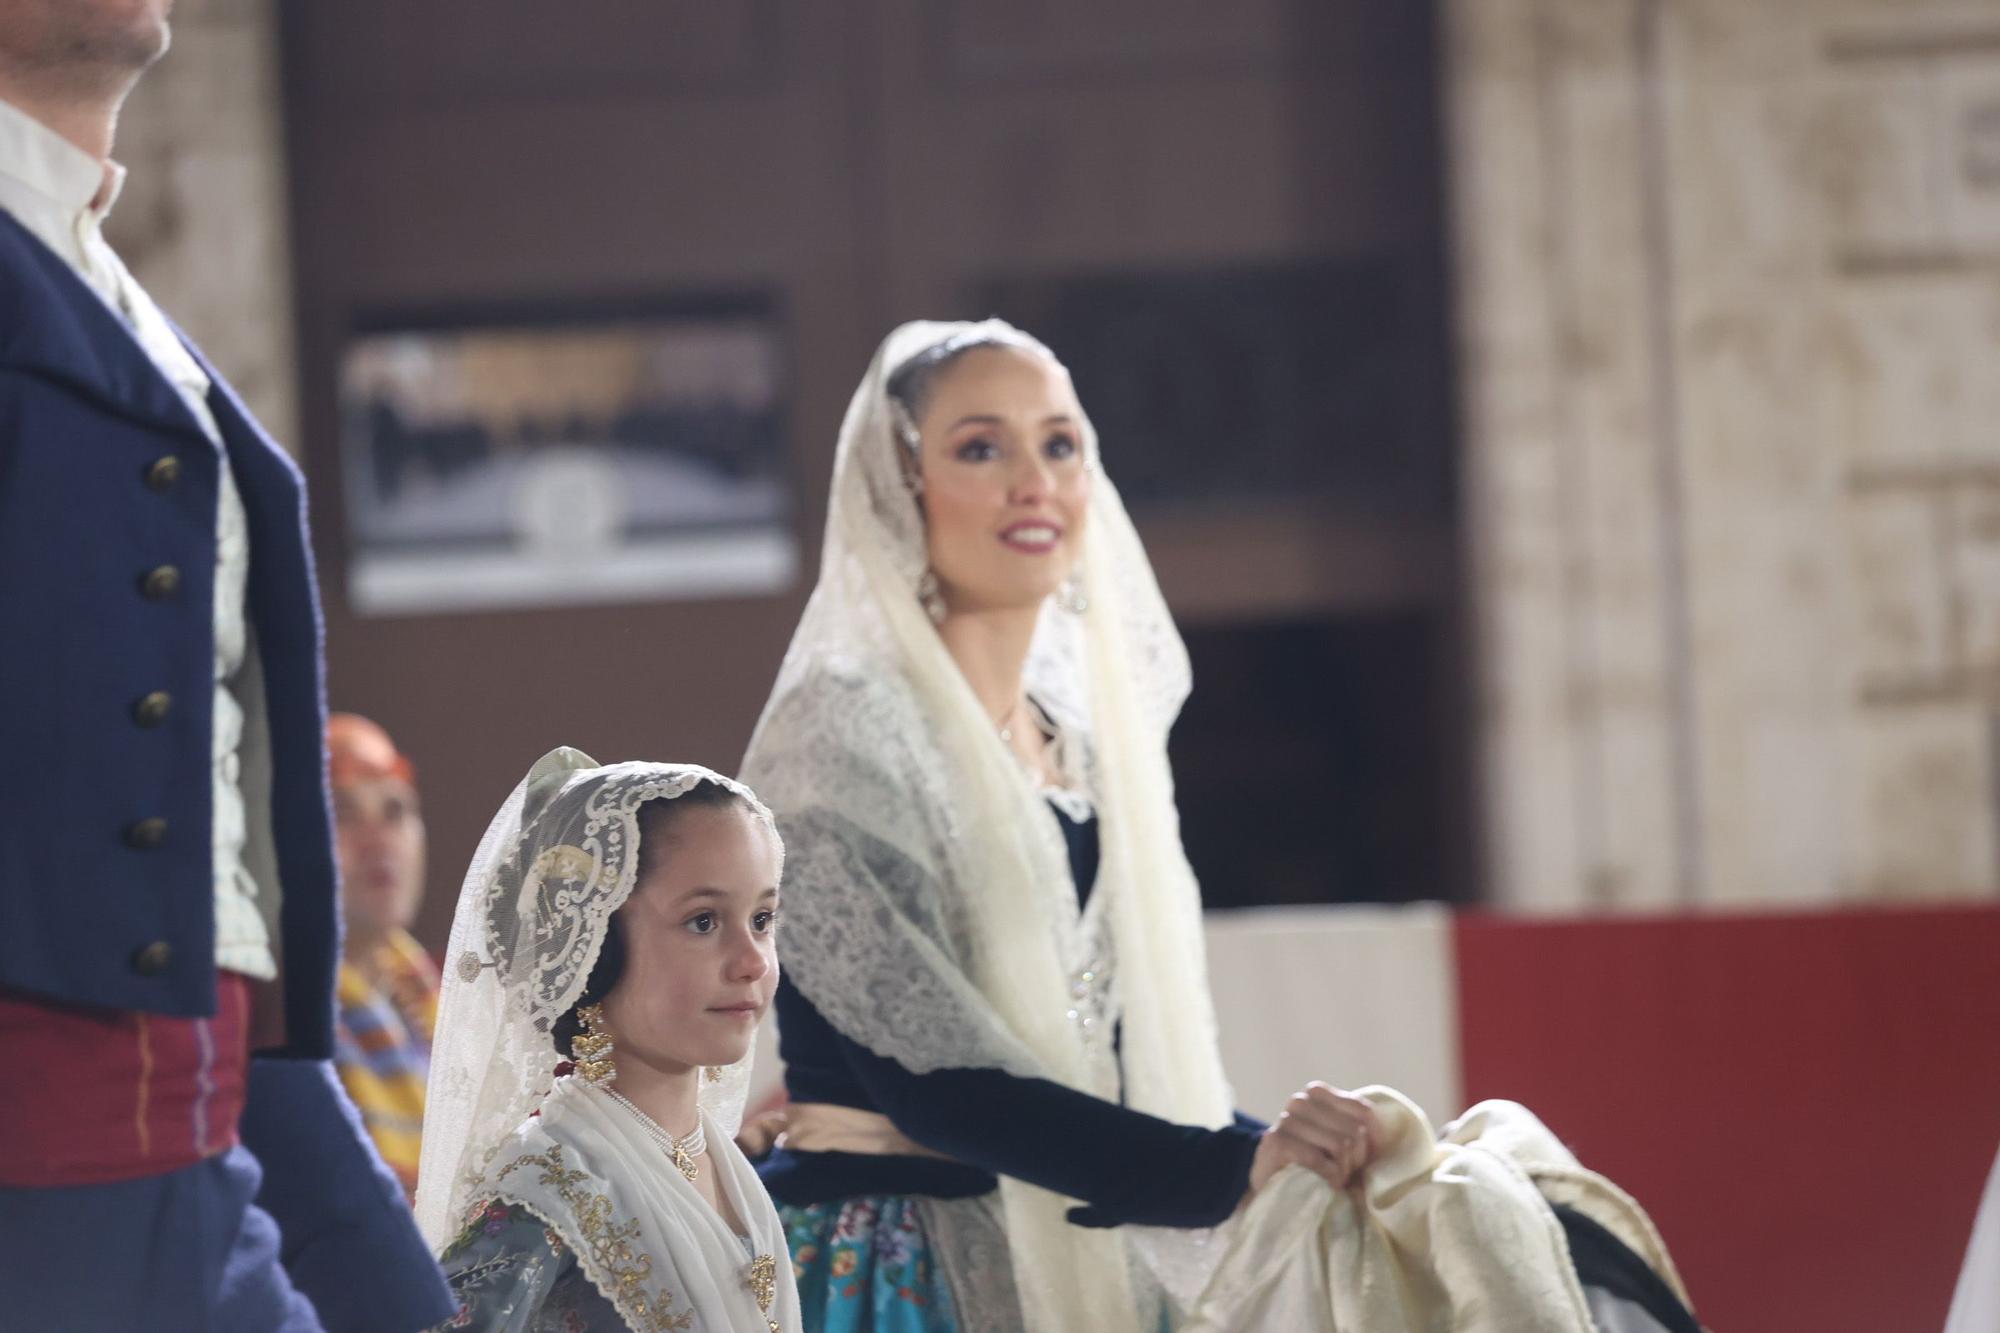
[1567, 431]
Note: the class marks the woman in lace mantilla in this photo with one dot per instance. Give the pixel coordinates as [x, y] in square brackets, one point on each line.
[1000, 1045]
[1008, 1106]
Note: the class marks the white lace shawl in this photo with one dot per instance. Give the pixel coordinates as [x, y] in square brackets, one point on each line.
[930, 913]
[643, 1235]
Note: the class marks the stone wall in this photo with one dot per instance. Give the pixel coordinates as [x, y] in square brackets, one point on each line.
[202, 219]
[1729, 307]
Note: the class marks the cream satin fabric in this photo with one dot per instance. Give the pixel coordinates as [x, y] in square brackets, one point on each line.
[1450, 1232]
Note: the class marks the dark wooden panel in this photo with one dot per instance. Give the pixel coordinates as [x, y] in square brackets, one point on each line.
[1265, 383]
[1026, 39]
[1312, 761]
[863, 162]
[378, 57]
[568, 154]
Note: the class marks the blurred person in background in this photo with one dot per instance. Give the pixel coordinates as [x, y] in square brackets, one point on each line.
[387, 993]
[179, 1153]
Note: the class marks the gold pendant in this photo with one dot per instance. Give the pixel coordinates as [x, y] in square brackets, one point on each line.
[685, 1161]
[763, 1279]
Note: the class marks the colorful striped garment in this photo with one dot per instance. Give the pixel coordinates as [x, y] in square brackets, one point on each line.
[382, 1048]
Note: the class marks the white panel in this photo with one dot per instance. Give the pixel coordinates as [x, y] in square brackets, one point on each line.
[1347, 995]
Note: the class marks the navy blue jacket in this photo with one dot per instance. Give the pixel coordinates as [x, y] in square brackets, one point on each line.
[91, 518]
[107, 892]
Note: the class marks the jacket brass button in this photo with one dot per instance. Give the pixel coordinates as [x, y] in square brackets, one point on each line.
[152, 960]
[160, 584]
[152, 709]
[146, 834]
[163, 473]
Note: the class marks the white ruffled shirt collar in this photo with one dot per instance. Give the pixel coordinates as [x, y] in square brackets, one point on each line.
[52, 187]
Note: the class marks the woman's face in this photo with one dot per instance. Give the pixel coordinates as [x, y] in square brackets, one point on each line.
[1005, 488]
[701, 949]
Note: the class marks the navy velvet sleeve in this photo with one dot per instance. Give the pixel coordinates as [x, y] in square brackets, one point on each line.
[1127, 1166]
[337, 1206]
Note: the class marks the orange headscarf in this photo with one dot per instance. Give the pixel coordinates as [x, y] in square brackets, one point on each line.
[360, 751]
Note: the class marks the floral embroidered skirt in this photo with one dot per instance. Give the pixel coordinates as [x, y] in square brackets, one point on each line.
[864, 1266]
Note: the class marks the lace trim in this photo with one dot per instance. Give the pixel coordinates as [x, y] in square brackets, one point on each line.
[619, 1271]
[1076, 804]
[607, 1246]
[1068, 756]
[570, 890]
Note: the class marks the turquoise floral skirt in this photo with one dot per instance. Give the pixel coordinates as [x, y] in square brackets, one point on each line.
[864, 1266]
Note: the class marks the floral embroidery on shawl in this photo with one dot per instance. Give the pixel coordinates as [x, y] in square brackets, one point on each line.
[606, 1252]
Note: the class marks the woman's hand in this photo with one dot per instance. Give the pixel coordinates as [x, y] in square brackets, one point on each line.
[759, 1136]
[1329, 1132]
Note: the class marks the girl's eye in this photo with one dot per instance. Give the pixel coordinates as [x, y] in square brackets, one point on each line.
[764, 921]
[1061, 446]
[702, 923]
[977, 451]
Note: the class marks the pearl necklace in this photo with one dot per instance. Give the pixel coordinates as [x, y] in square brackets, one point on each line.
[683, 1152]
[1003, 725]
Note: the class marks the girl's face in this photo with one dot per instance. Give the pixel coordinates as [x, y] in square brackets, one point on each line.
[700, 929]
[1005, 487]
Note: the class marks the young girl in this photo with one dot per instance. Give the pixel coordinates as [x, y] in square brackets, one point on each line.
[613, 950]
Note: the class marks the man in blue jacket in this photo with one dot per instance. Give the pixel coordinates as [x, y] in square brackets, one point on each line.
[167, 898]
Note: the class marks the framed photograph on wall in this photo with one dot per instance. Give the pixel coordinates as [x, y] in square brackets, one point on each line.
[522, 459]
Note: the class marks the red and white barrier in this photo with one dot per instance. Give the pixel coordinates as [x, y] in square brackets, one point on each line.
[1806, 1103]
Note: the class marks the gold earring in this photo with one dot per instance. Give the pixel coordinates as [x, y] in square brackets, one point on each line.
[591, 1050]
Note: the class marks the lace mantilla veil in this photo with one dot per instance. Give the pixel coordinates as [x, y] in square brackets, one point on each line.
[558, 859]
[930, 913]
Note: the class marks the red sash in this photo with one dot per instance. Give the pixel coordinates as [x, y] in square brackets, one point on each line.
[96, 1095]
